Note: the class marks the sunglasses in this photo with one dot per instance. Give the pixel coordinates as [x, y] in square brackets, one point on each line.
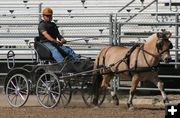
[48, 15]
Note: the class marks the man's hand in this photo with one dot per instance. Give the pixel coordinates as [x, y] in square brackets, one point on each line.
[63, 41]
[59, 43]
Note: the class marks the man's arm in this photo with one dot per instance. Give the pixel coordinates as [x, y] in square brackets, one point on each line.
[48, 37]
[61, 39]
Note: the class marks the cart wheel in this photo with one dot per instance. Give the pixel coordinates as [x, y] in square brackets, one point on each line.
[17, 90]
[48, 90]
[66, 93]
[87, 94]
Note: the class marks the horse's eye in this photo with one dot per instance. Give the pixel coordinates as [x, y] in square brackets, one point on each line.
[159, 44]
[170, 45]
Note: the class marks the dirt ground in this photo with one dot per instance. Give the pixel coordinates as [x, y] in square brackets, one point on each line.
[145, 107]
[76, 111]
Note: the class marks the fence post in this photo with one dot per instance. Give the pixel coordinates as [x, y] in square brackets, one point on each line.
[115, 30]
[119, 33]
[176, 39]
[39, 11]
[157, 10]
[110, 29]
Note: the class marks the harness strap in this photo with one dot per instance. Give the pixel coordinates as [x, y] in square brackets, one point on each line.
[155, 56]
[146, 59]
[144, 69]
[126, 59]
[137, 56]
[163, 51]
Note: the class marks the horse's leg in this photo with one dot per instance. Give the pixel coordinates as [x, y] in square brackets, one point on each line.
[115, 98]
[134, 83]
[106, 83]
[160, 86]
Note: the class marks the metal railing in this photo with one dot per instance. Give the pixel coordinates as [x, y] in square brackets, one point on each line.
[115, 29]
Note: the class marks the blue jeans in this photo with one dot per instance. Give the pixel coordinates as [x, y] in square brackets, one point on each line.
[57, 55]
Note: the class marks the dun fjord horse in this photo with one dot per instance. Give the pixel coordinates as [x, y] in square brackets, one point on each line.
[138, 63]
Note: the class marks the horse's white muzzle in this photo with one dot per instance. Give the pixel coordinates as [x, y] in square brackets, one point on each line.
[167, 59]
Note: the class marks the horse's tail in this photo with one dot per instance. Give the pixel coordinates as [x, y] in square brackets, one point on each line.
[97, 80]
[99, 63]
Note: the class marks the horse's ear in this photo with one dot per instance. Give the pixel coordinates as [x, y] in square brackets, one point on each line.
[163, 30]
[159, 34]
[168, 35]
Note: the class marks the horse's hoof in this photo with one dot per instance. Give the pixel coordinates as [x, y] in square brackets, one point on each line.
[96, 107]
[95, 102]
[115, 100]
[131, 108]
[117, 103]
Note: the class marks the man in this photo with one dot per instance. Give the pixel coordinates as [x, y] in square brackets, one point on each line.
[48, 33]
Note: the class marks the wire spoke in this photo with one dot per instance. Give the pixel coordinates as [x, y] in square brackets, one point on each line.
[24, 92]
[55, 92]
[88, 97]
[11, 92]
[41, 91]
[11, 88]
[16, 99]
[42, 88]
[44, 97]
[23, 88]
[44, 83]
[13, 84]
[16, 81]
[12, 97]
[62, 100]
[48, 99]
[54, 97]
[21, 96]
[64, 96]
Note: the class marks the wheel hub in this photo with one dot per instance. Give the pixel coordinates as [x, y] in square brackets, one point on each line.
[48, 89]
[17, 90]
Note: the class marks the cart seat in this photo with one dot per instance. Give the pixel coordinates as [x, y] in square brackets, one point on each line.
[43, 51]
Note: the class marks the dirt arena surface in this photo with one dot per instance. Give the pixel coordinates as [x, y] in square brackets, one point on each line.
[145, 107]
[77, 111]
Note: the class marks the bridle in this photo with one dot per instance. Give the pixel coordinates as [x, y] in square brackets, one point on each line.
[159, 46]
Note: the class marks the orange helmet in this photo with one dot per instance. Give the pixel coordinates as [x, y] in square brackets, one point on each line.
[47, 11]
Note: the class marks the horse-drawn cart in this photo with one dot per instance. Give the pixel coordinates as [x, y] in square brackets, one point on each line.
[52, 83]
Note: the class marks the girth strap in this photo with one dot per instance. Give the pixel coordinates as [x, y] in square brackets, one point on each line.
[144, 69]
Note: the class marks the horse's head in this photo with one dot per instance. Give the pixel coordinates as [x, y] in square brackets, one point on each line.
[163, 45]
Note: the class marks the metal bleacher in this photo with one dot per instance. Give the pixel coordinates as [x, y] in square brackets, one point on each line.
[88, 24]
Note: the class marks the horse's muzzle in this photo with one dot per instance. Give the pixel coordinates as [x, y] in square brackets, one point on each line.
[167, 59]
